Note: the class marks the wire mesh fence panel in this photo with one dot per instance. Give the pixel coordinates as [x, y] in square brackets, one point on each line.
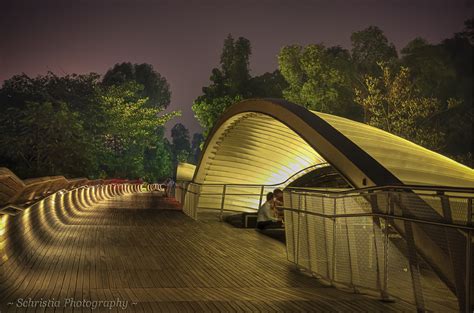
[435, 203]
[179, 191]
[459, 210]
[470, 276]
[437, 295]
[382, 203]
[364, 253]
[318, 249]
[446, 285]
[315, 204]
[191, 200]
[399, 278]
[342, 255]
[294, 200]
[454, 209]
[303, 256]
[352, 205]
[412, 205]
[391, 242]
[380, 253]
[291, 232]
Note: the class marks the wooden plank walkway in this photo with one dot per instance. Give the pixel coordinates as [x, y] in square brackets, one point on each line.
[154, 259]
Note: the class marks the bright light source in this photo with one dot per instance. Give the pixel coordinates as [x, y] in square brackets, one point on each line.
[3, 224]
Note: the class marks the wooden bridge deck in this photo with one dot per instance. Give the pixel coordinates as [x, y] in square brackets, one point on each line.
[158, 260]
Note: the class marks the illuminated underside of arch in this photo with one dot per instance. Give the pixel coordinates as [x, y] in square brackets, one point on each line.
[265, 142]
[258, 149]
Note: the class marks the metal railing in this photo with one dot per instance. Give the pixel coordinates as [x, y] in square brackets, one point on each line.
[412, 243]
[225, 197]
[403, 242]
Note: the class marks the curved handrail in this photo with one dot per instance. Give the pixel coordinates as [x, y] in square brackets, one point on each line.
[438, 189]
[15, 192]
[259, 185]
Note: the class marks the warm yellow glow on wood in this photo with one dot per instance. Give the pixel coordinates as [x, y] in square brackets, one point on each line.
[3, 224]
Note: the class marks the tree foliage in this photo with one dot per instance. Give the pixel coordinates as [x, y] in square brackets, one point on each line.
[42, 139]
[394, 104]
[76, 126]
[369, 47]
[425, 96]
[158, 158]
[268, 85]
[196, 143]
[232, 82]
[155, 87]
[319, 78]
[131, 128]
[208, 112]
[431, 67]
[180, 142]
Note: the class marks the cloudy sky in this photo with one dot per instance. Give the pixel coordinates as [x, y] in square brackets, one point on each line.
[183, 39]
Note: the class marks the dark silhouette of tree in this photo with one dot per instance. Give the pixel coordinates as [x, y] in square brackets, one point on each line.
[268, 85]
[370, 46]
[196, 144]
[155, 86]
[180, 143]
[232, 82]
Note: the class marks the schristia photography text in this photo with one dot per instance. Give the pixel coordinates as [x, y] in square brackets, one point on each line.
[70, 303]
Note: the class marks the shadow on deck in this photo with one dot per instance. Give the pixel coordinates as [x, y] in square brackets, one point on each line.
[236, 220]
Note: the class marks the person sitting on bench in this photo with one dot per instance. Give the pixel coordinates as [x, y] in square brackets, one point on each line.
[265, 214]
[278, 202]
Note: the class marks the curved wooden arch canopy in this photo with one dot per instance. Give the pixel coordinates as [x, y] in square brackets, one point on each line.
[266, 141]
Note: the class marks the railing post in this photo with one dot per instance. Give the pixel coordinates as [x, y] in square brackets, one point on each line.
[469, 296]
[323, 219]
[222, 201]
[468, 271]
[469, 212]
[184, 190]
[459, 276]
[384, 291]
[350, 253]
[376, 253]
[333, 269]
[385, 295]
[295, 234]
[197, 195]
[297, 248]
[262, 188]
[308, 243]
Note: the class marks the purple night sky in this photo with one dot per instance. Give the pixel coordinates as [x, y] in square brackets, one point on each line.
[183, 39]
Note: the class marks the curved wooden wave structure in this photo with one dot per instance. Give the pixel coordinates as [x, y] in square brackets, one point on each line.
[19, 194]
[33, 213]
